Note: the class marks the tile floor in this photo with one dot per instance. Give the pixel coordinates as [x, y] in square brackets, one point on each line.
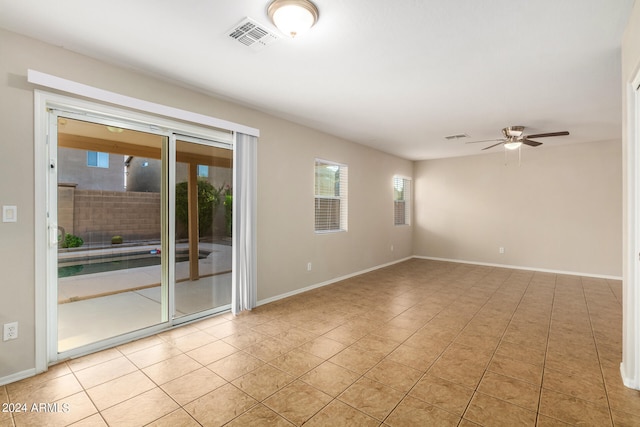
[418, 343]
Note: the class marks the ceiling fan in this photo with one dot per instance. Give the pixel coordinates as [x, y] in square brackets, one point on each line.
[514, 138]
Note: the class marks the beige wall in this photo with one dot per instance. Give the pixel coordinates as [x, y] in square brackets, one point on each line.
[286, 153]
[559, 210]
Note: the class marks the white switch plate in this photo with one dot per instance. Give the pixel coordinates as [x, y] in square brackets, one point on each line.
[9, 214]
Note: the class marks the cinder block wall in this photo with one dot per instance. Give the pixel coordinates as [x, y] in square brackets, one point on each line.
[100, 215]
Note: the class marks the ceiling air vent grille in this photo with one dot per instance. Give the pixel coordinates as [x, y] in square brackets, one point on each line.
[250, 33]
[458, 136]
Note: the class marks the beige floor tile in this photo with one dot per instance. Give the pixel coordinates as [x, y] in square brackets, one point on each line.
[190, 341]
[531, 355]
[372, 398]
[544, 421]
[622, 398]
[220, 406]
[120, 389]
[94, 420]
[414, 358]
[171, 368]
[63, 412]
[463, 372]
[297, 402]
[263, 382]
[140, 344]
[393, 333]
[193, 385]
[509, 367]
[294, 337]
[435, 330]
[376, 346]
[55, 371]
[268, 349]
[622, 419]
[346, 334]
[179, 417]
[244, 338]
[154, 354]
[580, 386]
[487, 410]
[355, 360]
[235, 366]
[395, 375]
[259, 415]
[572, 410]
[510, 390]
[330, 378]
[224, 329]
[337, 413]
[43, 392]
[212, 352]
[443, 394]
[140, 410]
[323, 347]
[93, 359]
[415, 412]
[296, 362]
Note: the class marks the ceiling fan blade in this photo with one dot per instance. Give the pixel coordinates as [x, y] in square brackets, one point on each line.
[494, 145]
[544, 135]
[485, 140]
[530, 142]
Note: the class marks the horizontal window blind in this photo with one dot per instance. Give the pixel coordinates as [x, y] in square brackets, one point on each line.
[401, 201]
[331, 185]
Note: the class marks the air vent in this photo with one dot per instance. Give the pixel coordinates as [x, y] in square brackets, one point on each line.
[458, 136]
[251, 34]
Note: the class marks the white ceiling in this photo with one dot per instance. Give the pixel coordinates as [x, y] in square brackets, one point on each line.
[397, 75]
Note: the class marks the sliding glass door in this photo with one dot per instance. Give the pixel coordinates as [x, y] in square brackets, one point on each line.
[140, 223]
[203, 219]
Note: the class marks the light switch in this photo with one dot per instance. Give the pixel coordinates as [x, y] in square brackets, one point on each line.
[9, 214]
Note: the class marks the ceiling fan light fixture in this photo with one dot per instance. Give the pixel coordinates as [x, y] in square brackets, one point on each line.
[512, 145]
[293, 17]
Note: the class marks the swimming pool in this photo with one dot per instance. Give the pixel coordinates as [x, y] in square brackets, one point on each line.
[100, 264]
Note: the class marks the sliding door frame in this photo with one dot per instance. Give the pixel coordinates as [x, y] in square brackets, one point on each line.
[45, 164]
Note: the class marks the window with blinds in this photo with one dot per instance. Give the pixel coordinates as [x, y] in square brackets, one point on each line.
[401, 200]
[331, 185]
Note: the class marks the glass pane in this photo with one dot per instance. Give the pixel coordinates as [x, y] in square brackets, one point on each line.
[327, 180]
[109, 217]
[204, 196]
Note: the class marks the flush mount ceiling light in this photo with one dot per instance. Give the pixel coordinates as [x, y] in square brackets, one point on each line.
[293, 17]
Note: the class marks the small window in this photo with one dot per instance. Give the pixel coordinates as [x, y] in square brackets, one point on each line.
[401, 200]
[203, 171]
[97, 160]
[331, 184]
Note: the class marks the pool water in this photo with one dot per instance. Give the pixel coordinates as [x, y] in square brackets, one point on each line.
[119, 264]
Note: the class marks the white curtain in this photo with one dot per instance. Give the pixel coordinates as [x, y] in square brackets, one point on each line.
[244, 276]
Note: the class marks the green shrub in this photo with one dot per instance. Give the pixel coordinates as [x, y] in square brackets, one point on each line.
[228, 212]
[71, 241]
[208, 202]
[116, 240]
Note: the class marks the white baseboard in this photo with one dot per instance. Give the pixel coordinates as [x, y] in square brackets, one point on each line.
[517, 267]
[17, 376]
[328, 282]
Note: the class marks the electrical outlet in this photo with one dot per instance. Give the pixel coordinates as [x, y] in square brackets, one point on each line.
[308, 266]
[391, 248]
[501, 250]
[10, 331]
